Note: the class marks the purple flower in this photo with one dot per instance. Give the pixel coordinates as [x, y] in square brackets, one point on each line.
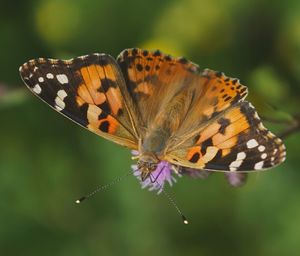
[161, 175]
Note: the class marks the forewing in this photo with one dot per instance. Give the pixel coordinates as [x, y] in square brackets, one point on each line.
[89, 90]
[235, 140]
[155, 80]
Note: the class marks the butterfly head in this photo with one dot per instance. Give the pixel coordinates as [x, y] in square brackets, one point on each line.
[147, 163]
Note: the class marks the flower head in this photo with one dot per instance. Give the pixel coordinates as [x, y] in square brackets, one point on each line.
[161, 175]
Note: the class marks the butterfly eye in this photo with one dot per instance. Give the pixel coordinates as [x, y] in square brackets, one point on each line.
[152, 166]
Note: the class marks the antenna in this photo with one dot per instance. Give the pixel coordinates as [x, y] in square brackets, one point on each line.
[118, 179]
[103, 187]
[171, 200]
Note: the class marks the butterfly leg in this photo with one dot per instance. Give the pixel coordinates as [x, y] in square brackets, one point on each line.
[155, 179]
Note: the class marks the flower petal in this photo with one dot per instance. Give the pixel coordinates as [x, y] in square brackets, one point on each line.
[162, 174]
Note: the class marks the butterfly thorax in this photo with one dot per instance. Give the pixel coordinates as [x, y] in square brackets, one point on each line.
[151, 150]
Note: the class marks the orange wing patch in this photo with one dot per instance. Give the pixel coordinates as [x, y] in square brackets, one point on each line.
[236, 141]
[222, 90]
[99, 85]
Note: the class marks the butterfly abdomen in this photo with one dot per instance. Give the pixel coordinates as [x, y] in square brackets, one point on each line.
[155, 142]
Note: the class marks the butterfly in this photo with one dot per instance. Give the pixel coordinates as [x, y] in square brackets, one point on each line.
[174, 116]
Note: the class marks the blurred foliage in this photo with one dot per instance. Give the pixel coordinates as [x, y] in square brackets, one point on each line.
[46, 161]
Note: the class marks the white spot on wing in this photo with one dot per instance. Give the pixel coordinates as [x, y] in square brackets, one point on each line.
[259, 165]
[59, 100]
[62, 94]
[58, 107]
[261, 126]
[41, 79]
[50, 76]
[237, 163]
[62, 78]
[256, 116]
[252, 143]
[241, 156]
[250, 105]
[37, 89]
[232, 169]
[261, 148]
[263, 156]
[35, 69]
[84, 56]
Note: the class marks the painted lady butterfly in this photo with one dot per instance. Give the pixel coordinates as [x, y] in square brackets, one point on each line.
[176, 117]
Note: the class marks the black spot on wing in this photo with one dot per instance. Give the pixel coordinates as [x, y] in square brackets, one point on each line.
[183, 60]
[105, 107]
[219, 74]
[104, 126]
[195, 158]
[103, 60]
[145, 53]
[157, 53]
[205, 144]
[197, 137]
[224, 123]
[139, 67]
[218, 156]
[134, 51]
[106, 83]
[103, 115]
[120, 112]
[227, 98]
[234, 81]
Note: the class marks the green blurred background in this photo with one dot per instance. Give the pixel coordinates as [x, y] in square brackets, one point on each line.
[46, 161]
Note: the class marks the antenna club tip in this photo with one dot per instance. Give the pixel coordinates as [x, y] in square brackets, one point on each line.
[78, 201]
[184, 219]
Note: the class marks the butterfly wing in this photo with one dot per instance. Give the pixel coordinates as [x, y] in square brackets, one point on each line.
[153, 80]
[89, 90]
[230, 135]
